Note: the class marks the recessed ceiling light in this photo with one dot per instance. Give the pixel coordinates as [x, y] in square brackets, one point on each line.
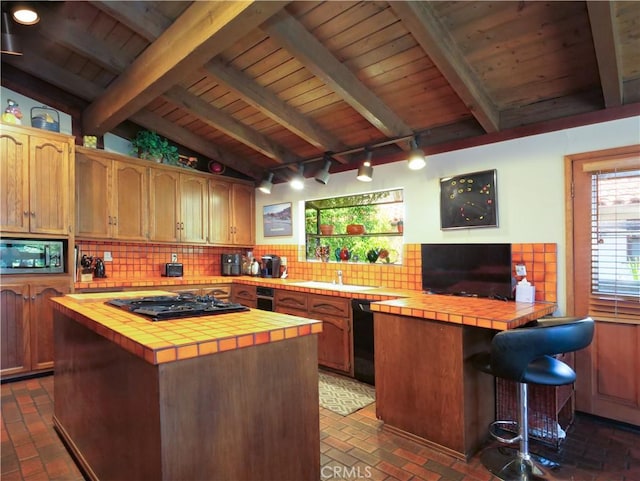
[25, 15]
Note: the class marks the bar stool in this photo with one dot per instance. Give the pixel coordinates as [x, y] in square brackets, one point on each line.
[525, 355]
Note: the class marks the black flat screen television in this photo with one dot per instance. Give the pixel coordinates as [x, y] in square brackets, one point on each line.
[479, 270]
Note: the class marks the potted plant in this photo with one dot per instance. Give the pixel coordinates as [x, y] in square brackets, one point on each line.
[149, 145]
[399, 224]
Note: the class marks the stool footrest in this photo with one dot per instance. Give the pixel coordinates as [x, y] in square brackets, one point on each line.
[504, 425]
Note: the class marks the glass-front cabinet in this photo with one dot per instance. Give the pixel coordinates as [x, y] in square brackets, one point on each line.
[356, 228]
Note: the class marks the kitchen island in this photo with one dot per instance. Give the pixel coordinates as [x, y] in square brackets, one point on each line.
[427, 389]
[230, 396]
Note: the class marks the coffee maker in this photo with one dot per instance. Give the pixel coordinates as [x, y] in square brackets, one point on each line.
[231, 264]
[270, 266]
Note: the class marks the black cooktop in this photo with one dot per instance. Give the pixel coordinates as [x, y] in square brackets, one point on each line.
[161, 308]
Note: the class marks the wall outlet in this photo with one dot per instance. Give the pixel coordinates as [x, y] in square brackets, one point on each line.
[174, 257]
[107, 257]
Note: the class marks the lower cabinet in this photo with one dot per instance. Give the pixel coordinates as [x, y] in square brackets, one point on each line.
[26, 320]
[245, 295]
[335, 342]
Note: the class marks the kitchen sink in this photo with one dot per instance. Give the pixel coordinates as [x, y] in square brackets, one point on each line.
[332, 286]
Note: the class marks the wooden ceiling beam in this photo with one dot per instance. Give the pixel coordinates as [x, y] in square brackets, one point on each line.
[141, 17]
[299, 42]
[201, 32]
[230, 126]
[421, 20]
[270, 105]
[195, 142]
[603, 31]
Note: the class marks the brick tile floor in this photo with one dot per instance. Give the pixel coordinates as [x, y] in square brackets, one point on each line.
[352, 447]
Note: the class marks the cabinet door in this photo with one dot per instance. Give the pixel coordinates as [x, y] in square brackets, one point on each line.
[245, 295]
[14, 181]
[93, 194]
[243, 220]
[220, 212]
[164, 205]
[49, 186]
[14, 322]
[284, 299]
[194, 197]
[41, 317]
[129, 216]
[220, 291]
[333, 343]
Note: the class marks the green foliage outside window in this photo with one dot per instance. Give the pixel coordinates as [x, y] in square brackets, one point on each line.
[381, 213]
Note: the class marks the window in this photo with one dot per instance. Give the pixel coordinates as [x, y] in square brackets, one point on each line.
[329, 224]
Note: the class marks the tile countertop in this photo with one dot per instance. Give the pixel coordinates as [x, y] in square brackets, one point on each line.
[166, 341]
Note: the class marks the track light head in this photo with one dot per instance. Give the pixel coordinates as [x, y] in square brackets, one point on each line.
[416, 156]
[365, 171]
[297, 181]
[266, 184]
[323, 175]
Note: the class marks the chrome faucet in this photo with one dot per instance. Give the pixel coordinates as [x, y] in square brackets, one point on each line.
[339, 277]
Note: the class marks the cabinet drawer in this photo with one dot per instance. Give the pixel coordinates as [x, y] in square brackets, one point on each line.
[221, 291]
[333, 306]
[290, 299]
[246, 293]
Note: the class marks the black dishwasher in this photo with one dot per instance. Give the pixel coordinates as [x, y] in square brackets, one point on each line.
[363, 366]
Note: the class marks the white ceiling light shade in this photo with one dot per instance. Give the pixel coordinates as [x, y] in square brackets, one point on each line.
[297, 181]
[323, 175]
[416, 159]
[365, 171]
[25, 14]
[10, 42]
[266, 184]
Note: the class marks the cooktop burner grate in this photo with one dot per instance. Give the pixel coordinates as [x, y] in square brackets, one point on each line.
[161, 308]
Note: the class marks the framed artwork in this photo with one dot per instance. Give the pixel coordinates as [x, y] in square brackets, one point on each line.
[469, 200]
[276, 219]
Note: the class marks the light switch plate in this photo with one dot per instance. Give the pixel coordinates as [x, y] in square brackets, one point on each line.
[521, 270]
[174, 257]
[107, 256]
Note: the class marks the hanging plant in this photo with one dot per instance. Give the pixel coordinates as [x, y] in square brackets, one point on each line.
[151, 146]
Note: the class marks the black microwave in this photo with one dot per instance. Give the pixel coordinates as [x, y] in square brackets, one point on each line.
[29, 256]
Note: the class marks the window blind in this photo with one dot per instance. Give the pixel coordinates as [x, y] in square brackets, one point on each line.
[615, 245]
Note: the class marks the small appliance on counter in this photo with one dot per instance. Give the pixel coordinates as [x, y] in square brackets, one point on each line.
[99, 270]
[270, 266]
[172, 269]
[231, 264]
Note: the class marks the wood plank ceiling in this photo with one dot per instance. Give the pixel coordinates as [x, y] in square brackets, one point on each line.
[269, 86]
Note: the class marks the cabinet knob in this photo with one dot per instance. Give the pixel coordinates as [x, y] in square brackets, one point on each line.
[115, 221]
[181, 225]
[33, 298]
[110, 220]
[26, 298]
[26, 212]
[33, 214]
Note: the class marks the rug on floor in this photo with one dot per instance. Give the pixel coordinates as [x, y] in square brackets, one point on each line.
[342, 395]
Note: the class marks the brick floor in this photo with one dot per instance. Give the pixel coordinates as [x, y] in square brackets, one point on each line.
[352, 447]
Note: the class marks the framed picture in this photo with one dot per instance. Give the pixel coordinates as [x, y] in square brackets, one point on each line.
[276, 219]
[469, 200]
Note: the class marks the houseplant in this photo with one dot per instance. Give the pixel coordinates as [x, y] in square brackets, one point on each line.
[149, 145]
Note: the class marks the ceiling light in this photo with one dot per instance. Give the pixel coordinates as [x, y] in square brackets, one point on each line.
[266, 184]
[323, 175]
[297, 181]
[416, 156]
[10, 42]
[365, 171]
[25, 14]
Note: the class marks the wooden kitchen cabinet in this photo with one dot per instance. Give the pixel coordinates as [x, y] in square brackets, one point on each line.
[27, 324]
[290, 302]
[232, 220]
[111, 197]
[245, 295]
[35, 181]
[334, 342]
[178, 207]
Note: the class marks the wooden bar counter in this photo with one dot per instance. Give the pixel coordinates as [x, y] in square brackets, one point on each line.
[230, 396]
[426, 387]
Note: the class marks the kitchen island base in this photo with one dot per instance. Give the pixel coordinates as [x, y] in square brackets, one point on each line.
[243, 414]
[427, 390]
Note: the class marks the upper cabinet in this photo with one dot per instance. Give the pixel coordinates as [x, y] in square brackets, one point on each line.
[112, 197]
[232, 213]
[178, 207]
[35, 176]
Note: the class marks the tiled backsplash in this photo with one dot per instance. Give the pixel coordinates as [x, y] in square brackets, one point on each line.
[142, 261]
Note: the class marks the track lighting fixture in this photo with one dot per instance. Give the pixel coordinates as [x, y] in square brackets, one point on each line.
[297, 181]
[10, 42]
[266, 184]
[25, 14]
[365, 171]
[323, 175]
[416, 156]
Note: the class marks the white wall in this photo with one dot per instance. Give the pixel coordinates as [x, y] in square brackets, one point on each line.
[530, 189]
[26, 104]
